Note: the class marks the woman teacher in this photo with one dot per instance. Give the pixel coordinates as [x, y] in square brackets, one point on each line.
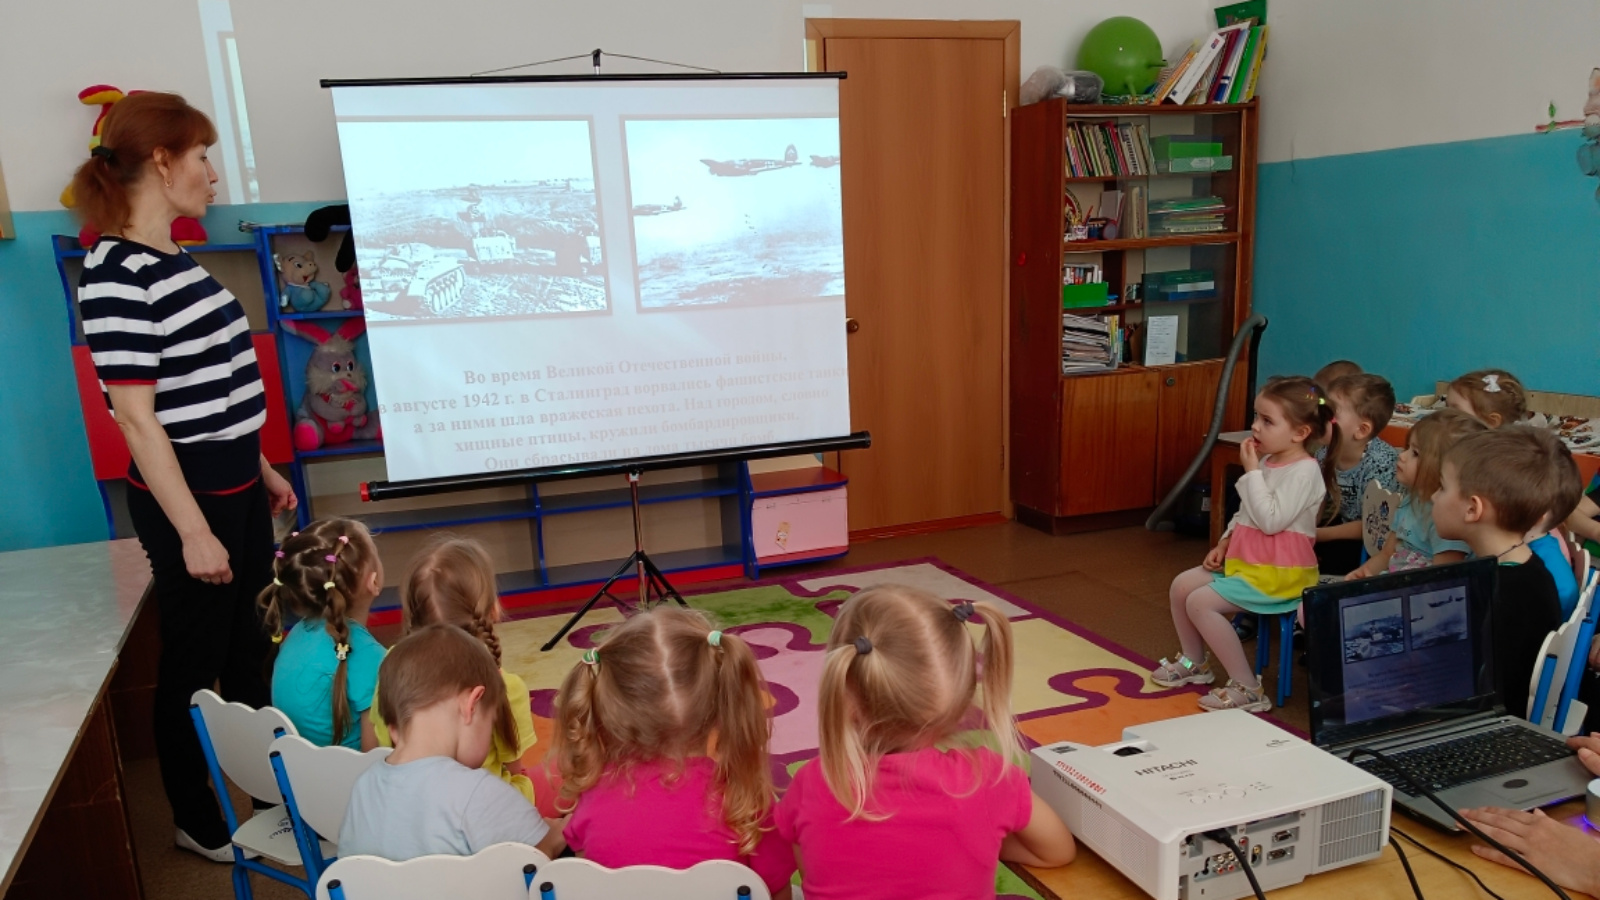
[172, 348]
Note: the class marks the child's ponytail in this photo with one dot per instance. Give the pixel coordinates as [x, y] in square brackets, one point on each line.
[996, 653]
[843, 754]
[1328, 425]
[579, 751]
[743, 732]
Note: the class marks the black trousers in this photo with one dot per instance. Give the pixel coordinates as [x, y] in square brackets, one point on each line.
[211, 637]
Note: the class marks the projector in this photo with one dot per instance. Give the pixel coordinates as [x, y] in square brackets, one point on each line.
[1145, 804]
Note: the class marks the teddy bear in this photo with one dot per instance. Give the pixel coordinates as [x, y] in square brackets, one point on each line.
[185, 231]
[301, 291]
[333, 409]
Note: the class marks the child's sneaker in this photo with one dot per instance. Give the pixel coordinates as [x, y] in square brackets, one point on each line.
[1234, 695]
[1180, 672]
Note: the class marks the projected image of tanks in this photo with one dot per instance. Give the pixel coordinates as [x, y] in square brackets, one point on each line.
[479, 219]
[735, 211]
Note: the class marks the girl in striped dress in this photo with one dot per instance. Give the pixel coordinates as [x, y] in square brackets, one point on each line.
[1265, 558]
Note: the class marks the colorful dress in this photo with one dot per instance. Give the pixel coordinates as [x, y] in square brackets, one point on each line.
[1270, 559]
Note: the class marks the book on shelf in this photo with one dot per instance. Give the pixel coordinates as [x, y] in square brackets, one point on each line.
[1230, 70]
[1170, 78]
[1222, 67]
[1246, 63]
[1186, 204]
[1209, 48]
[1108, 150]
[1255, 68]
[1090, 343]
[1246, 11]
[1081, 275]
[1136, 214]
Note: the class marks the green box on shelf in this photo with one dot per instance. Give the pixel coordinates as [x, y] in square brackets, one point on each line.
[1194, 164]
[1168, 147]
[1079, 296]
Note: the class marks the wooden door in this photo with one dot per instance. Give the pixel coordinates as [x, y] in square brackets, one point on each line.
[1108, 442]
[1187, 394]
[922, 133]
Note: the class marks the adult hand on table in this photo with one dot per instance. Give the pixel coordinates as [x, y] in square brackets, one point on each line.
[1566, 855]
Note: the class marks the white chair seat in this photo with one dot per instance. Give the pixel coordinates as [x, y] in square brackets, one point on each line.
[270, 834]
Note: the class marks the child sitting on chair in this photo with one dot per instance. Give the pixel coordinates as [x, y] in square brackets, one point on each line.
[327, 663]
[661, 742]
[1496, 486]
[1362, 405]
[920, 786]
[452, 581]
[1413, 540]
[1265, 559]
[444, 700]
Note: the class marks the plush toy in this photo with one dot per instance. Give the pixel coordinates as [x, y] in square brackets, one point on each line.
[301, 291]
[334, 407]
[351, 292]
[185, 231]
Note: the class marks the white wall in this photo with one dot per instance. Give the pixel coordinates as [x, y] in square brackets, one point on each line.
[287, 45]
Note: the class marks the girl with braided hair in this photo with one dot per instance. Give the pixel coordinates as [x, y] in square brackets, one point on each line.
[451, 582]
[327, 662]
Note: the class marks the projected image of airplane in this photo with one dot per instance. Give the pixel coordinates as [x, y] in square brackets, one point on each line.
[824, 162]
[737, 167]
[657, 209]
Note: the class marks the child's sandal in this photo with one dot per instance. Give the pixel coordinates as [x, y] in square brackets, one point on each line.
[1181, 671]
[1234, 695]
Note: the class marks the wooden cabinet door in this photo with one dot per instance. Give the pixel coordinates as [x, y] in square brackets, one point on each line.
[1108, 442]
[1188, 392]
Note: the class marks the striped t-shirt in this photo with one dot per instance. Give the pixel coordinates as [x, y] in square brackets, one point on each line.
[158, 318]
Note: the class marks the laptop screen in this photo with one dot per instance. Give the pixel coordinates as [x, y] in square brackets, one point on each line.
[1399, 650]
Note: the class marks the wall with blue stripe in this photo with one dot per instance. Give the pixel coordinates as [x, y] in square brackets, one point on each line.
[49, 488]
[1424, 262]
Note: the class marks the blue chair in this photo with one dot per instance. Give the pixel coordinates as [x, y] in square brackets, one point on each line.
[581, 879]
[1285, 628]
[316, 783]
[1553, 692]
[502, 872]
[235, 739]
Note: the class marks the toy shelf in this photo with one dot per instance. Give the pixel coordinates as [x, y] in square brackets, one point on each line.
[588, 501]
[795, 481]
[321, 314]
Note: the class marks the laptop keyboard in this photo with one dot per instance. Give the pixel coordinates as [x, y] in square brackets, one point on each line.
[1474, 757]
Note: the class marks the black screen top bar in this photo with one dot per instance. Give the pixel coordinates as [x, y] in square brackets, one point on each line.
[386, 490]
[534, 79]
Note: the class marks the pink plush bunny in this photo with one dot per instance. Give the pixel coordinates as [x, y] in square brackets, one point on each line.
[334, 407]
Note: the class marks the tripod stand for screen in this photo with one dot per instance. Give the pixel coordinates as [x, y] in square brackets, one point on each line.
[651, 581]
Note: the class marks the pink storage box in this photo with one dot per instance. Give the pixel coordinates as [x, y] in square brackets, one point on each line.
[799, 523]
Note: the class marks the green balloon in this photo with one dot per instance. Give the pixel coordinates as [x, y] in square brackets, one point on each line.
[1123, 51]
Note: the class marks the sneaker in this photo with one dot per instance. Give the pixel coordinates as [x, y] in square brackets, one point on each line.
[222, 854]
[1234, 695]
[1180, 672]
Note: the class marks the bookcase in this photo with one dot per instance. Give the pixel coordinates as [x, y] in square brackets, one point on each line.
[1091, 446]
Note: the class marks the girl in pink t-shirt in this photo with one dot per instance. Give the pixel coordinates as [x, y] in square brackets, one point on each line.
[891, 808]
[661, 742]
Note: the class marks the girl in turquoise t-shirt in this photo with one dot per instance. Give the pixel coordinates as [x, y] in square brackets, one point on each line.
[327, 662]
[1413, 541]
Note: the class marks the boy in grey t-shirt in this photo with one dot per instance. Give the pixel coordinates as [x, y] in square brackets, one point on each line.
[443, 697]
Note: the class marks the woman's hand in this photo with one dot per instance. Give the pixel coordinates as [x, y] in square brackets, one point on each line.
[280, 495]
[1588, 751]
[1215, 558]
[206, 558]
[1250, 454]
[1568, 856]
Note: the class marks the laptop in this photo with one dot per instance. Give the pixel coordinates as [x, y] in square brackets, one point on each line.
[1402, 664]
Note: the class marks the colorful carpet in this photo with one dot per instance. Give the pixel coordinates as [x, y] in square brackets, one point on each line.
[1069, 685]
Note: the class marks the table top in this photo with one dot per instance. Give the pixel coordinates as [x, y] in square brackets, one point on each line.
[1378, 879]
[64, 613]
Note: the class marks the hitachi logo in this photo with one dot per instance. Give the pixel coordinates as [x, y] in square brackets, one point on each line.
[1168, 767]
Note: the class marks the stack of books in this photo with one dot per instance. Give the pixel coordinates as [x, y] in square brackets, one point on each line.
[1135, 218]
[1090, 343]
[1225, 66]
[1108, 150]
[1195, 215]
[1184, 284]
[1081, 274]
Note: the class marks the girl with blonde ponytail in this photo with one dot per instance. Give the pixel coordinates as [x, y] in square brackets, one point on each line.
[661, 745]
[451, 582]
[327, 663]
[897, 804]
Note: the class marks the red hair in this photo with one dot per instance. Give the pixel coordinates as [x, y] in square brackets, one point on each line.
[131, 133]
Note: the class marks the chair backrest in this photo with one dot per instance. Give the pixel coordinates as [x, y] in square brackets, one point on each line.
[240, 737]
[580, 879]
[1378, 505]
[322, 778]
[1552, 688]
[501, 872]
[1571, 711]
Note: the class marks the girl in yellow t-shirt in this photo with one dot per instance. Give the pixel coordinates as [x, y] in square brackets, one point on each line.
[452, 582]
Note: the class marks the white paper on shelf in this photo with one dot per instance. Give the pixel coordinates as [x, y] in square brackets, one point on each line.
[1160, 340]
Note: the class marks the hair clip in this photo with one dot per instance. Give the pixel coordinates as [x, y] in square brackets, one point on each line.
[277, 638]
[327, 585]
[1491, 383]
[341, 651]
[1322, 401]
[331, 558]
[591, 657]
[863, 646]
[964, 610]
[344, 539]
[276, 582]
[714, 639]
[278, 554]
[103, 152]
[294, 534]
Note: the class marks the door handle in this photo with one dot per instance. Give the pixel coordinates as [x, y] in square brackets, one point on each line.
[851, 325]
[1171, 381]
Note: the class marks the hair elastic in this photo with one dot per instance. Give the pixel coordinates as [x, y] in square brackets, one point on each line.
[863, 646]
[964, 610]
[278, 554]
[276, 582]
[327, 585]
[341, 651]
[344, 539]
[104, 152]
[1491, 383]
[277, 638]
[714, 639]
[591, 658]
